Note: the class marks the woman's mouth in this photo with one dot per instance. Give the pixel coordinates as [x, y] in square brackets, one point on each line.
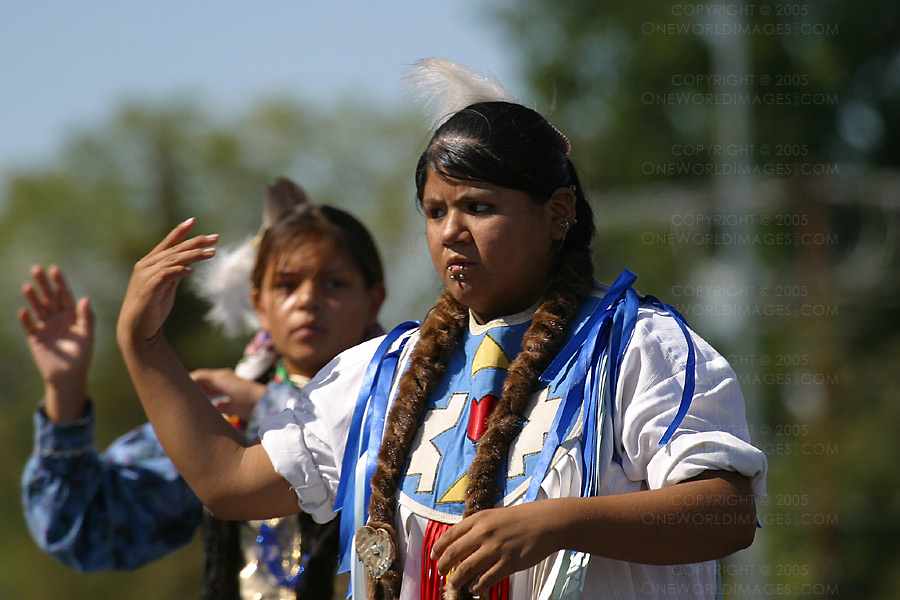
[457, 271]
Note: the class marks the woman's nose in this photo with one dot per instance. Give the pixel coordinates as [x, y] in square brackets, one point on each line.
[455, 229]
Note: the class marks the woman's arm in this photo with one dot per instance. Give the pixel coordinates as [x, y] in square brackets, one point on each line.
[234, 479]
[707, 517]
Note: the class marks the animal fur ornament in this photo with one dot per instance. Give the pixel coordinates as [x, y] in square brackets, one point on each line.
[224, 281]
[446, 87]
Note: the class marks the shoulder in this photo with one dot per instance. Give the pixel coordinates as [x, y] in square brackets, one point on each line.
[664, 337]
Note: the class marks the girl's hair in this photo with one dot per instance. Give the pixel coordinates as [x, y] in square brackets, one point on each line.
[307, 220]
[511, 146]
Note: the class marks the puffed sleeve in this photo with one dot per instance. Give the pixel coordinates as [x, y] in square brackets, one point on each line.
[306, 442]
[116, 510]
[714, 433]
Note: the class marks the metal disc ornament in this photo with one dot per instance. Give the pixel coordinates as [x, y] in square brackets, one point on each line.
[375, 550]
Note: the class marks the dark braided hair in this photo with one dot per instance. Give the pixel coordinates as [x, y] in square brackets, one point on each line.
[510, 146]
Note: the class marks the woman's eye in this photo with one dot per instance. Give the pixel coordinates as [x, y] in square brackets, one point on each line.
[335, 284]
[477, 208]
[435, 213]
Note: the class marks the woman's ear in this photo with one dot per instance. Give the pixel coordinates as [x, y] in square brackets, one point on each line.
[561, 210]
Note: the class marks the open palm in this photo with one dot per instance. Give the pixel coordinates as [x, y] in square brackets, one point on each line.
[60, 333]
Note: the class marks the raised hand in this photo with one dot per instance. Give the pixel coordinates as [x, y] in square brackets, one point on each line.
[60, 336]
[151, 291]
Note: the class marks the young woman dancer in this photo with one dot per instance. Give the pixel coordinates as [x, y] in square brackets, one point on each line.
[317, 286]
[537, 436]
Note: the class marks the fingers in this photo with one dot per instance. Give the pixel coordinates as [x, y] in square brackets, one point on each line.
[39, 303]
[27, 323]
[64, 298]
[84, 316]
[444, 550]
[49, 294]
[174, 262]
[175, 236]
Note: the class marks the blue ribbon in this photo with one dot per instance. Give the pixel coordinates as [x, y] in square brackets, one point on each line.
[587, 360]
[605, 333]
[375, 388]
[690, 369]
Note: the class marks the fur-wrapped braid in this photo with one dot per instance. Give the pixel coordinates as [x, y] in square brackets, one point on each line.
[438, 336]
[567, 291]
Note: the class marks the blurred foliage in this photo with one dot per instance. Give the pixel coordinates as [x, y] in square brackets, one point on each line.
[109, 196]
[805, 98]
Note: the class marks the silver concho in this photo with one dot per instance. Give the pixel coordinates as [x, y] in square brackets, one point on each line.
[375, 550]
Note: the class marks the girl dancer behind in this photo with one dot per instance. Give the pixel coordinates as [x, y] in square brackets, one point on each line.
[537, 436]
[317, 286]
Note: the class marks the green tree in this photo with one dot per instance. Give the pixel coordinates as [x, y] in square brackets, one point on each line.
[109, 196]
[777, 121]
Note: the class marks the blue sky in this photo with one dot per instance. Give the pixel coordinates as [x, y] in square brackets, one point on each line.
[68, 64]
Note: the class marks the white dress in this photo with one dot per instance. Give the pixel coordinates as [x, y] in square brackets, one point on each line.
[306, 446]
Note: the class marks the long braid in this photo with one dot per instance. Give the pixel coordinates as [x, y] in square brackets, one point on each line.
[567, 290]
[513, 147]
[439, 334]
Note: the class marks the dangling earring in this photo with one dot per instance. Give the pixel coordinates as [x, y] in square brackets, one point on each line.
[567, 224]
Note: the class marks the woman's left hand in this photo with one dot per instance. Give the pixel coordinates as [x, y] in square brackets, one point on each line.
[151, 291]
[485, 547]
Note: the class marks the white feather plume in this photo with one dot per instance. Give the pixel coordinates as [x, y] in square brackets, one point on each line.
[446, 87]
[224, 282]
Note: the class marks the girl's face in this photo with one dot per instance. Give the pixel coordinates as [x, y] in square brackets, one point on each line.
[314, 303]
[496, 242]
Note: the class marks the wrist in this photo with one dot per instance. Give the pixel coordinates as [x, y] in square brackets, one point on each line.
[64, 404]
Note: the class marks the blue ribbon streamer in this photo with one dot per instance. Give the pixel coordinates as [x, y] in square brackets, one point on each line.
[375, 386]
[607, 332]
[690, 369]
[590, 332]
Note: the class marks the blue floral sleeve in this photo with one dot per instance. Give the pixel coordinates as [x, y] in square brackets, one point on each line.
[115, 510]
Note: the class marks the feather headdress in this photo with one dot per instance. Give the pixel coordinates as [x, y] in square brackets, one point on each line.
[446, 87]
[224, 281]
